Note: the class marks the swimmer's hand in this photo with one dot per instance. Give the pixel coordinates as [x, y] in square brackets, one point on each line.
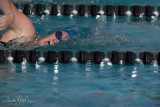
[6, 21]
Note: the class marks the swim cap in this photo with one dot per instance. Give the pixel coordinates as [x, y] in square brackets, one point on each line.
[71, 33]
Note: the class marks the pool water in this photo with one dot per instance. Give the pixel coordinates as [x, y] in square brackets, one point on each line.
[83, 85]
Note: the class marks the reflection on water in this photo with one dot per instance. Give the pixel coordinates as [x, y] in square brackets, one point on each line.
[65, 80]
[88, 84]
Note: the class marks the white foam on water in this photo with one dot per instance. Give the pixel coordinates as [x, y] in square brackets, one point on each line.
[114, 16]
[75, 12]
[56, 69]
[74, 60]
[121, 62]
[139, 61]
[128, 13]
[98, 16]
[106, 59]
[86, 15]
[24, 65]
[101, 12]
[10, 58]
[155, 63]
[59, 14]
[141, 15]
[41, 59]
[109, 63]
[156, 13]
[47, 11]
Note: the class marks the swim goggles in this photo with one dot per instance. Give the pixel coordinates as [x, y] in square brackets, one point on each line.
[70, 33]
[59, 36]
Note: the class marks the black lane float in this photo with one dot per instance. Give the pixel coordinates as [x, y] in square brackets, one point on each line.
[148, 57]
[137, 10]
[66, 10]
[90, 10]
[83, 10]
[53, 9]
[110, 10]
[95, 57]
[3, 56]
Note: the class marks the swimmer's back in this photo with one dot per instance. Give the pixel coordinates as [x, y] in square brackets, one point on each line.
[22, 26]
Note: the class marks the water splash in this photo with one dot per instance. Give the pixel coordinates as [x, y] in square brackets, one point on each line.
[75, 12]
[128, 13]
[74, 60]
[56, 67]
[155, 63]
[121, 62]
[23, 65]
[101, 12]
[139, 61]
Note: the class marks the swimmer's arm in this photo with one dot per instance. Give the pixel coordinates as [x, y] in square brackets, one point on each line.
[8, 18]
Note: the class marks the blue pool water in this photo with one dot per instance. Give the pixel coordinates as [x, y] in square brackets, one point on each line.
[83, 85]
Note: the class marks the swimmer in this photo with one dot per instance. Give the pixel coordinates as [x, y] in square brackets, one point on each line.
[22, 27]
